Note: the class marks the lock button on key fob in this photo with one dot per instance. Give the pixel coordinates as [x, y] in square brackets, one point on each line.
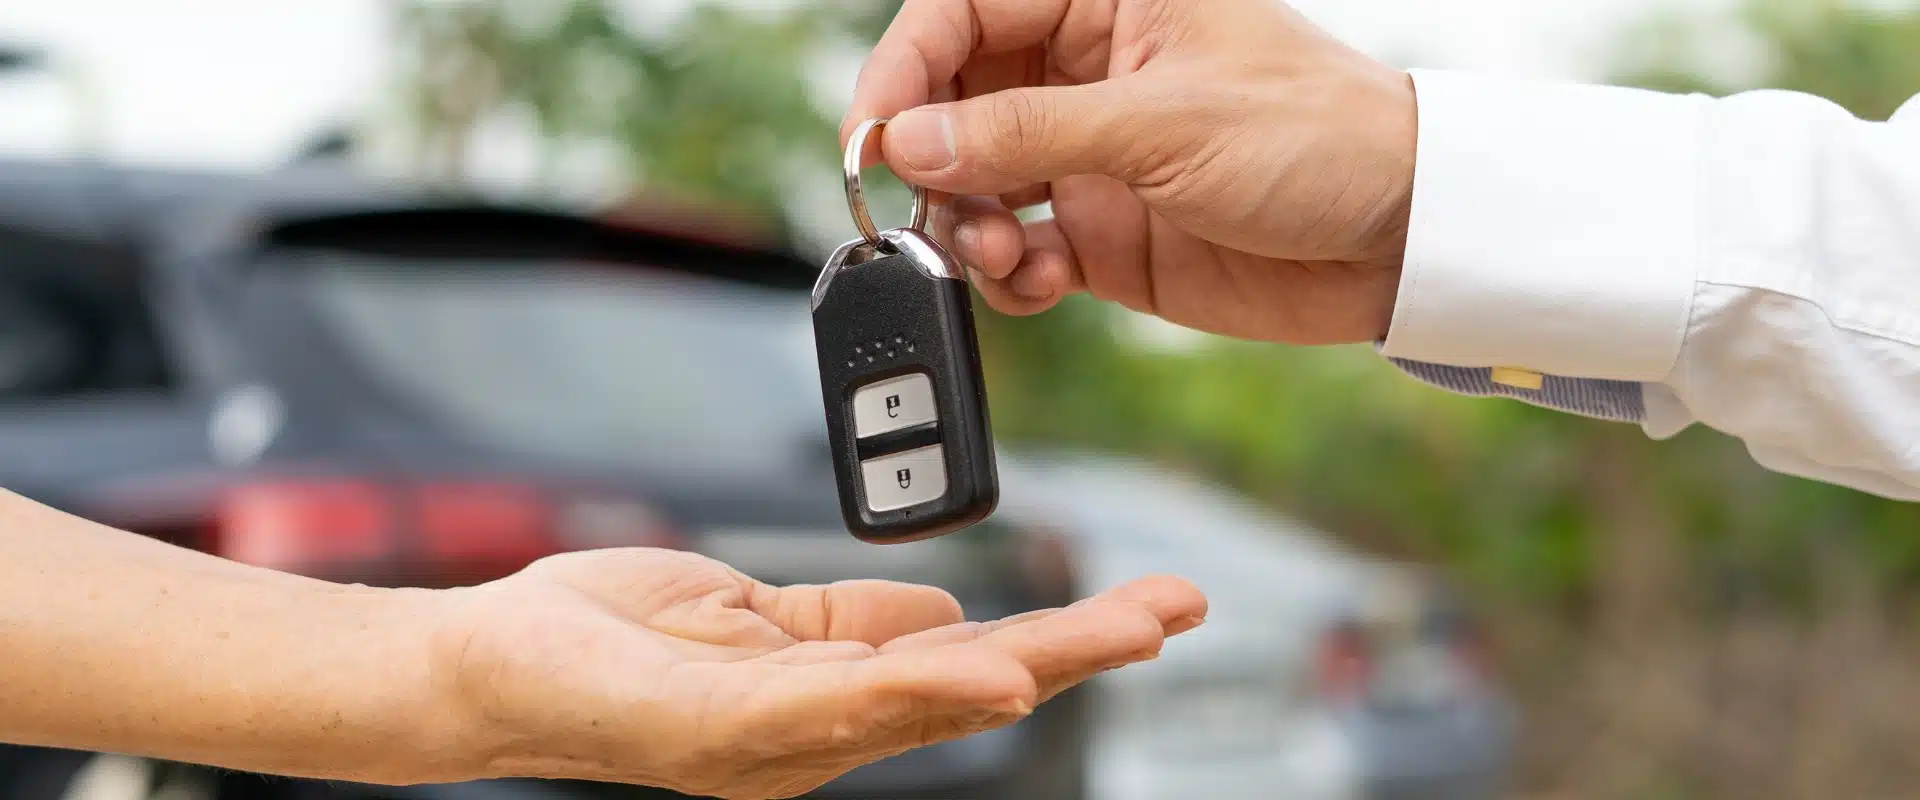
[906, 403]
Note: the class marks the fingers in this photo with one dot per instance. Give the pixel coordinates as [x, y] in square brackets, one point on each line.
[808, 653]
[1019, 269]
[986, 236]
[961, 633]
[1184, 625]
[1175, 603]
[1079, 642]
[853, 704]
[844, 700]
[870, 612]
[1045, 273]
[931, 40]
[805, 723]
[1113, 246]
[1168, 598]
[1064, 647]
[1008, 141]
[966, 679]
[1050, 268]
[1113, 629]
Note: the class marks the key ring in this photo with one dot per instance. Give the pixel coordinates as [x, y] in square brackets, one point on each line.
[857, 198]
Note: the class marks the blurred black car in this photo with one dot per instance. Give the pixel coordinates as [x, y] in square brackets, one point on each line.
[385, 386]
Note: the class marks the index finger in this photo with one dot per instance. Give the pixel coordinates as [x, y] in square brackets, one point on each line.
[930, 40]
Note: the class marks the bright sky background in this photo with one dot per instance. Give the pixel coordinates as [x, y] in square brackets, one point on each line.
[240, 83]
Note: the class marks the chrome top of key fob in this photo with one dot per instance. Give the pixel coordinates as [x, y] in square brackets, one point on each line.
[928, 256]
[900, 375]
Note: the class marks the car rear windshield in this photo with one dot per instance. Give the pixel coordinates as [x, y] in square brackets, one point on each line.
[604, 365]
[75, 322]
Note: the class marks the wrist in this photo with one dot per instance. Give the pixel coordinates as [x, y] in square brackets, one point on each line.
[497, 725]
[417, 726]
[1385, 228]
[1395, 123]
[461, 720]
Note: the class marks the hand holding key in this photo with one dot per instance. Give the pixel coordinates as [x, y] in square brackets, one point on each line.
[1222, 164]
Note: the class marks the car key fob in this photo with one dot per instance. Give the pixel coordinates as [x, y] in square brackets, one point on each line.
[900, 374]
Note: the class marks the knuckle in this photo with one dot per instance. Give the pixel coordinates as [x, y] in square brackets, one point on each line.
[1144, 626]
[1019, 124]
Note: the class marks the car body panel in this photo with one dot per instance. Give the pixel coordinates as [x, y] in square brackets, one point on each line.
[1231, 710]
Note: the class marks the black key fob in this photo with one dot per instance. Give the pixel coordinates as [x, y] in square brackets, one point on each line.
[906, 403]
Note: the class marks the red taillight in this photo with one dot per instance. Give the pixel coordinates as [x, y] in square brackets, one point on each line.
[289, 525]
[1345, 665]
[491, 522]
[423, 532]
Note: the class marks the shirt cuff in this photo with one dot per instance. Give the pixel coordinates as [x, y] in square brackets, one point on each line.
[1553, 228]
[1618, 401]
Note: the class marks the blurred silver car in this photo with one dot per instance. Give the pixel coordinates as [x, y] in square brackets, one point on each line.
[1319, 674]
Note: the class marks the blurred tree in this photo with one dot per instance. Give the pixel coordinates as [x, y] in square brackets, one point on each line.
[1858, 54]
[716, 109]
[1682, 622]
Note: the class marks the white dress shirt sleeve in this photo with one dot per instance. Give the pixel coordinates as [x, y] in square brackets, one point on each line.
[1749, 263]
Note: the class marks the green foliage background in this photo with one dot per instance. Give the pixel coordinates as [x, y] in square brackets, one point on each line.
[1583, 543]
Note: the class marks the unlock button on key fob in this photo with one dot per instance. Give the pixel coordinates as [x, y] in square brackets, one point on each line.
[905, 480]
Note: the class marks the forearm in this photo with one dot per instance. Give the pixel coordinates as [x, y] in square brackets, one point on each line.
[114, 642]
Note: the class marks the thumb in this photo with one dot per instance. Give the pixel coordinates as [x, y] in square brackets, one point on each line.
[1007, 140]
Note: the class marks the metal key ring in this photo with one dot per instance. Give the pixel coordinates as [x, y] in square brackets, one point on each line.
[857, 198]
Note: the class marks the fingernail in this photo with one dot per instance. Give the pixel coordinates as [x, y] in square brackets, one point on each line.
[1138, 658]
[924, 138]
[966, 243]
[1031, 283]
[1017, 707]
[1184, 624]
